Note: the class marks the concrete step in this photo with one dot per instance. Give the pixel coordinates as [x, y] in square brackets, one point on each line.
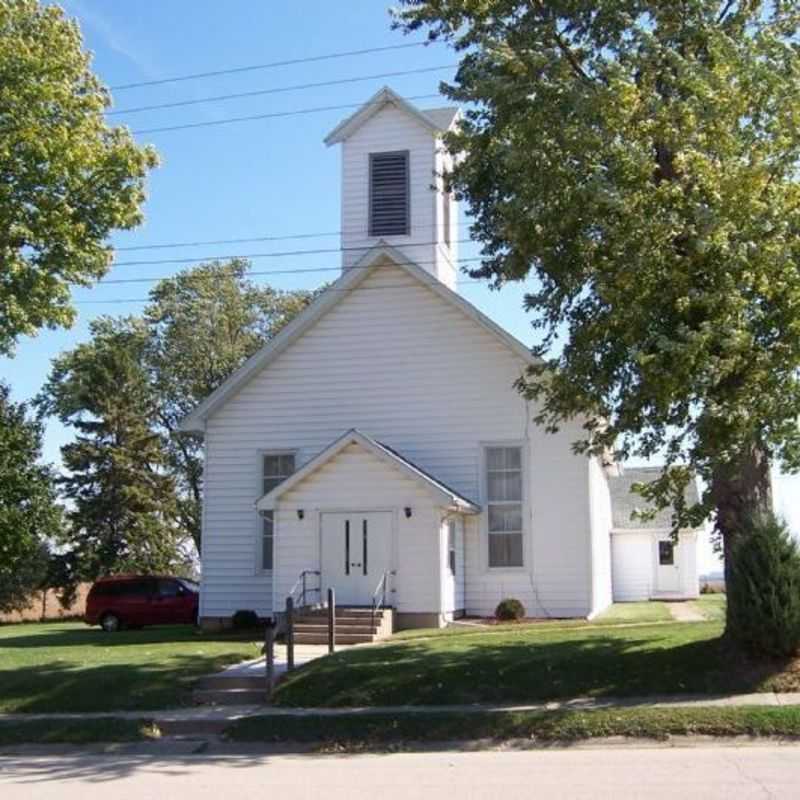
[231, 682]
[341, 611]
[229, 697]
[341, 638]
[351, 627]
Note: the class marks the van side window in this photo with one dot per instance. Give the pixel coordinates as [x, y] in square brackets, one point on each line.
[168, 588]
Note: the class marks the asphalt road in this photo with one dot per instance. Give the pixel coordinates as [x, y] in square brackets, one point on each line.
[677, 773]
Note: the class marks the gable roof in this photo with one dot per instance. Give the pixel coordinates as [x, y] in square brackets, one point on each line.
[437, 120]
[349, 280]
[444, 494]
[624, 501]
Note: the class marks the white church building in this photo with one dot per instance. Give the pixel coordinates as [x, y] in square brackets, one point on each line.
[379, 438]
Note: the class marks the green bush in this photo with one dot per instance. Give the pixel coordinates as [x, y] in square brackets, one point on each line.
[509, 609]
[764, 591]
[245, 620]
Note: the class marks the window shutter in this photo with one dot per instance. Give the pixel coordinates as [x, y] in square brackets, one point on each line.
[388, 194]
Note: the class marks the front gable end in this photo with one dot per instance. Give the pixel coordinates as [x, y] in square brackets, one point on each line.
[384, 308]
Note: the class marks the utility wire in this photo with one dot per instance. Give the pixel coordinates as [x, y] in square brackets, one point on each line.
[272, 115]
[260, 273]
[279, 89]
[330, 289]
[271, 254]
[270, 65]
[252, 239]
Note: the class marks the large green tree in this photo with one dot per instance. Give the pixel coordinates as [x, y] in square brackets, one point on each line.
[29, 515]
[201, 326]
[639, 161]
[67, 179]
[121, 497]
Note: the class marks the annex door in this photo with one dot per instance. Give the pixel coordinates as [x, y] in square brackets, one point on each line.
[668, 572]
[356, 551]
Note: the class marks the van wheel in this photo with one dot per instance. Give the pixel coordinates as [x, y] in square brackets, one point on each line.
[110, 623]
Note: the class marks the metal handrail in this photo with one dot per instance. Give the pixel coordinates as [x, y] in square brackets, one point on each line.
[381, 589]
[301, 586]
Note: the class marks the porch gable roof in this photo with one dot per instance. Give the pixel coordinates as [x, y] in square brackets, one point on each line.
[446, 496]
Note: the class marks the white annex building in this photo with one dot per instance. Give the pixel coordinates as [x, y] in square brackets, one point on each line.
[378, 440]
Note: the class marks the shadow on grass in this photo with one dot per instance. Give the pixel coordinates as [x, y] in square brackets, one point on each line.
[96, 637]
[58, 686]
[645, 661]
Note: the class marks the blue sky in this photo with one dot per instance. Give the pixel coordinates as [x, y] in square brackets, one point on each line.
[269, 177]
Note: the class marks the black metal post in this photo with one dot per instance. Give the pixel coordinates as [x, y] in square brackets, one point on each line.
[303, 602]
[331, 620]
[289, 633]
[269, 653]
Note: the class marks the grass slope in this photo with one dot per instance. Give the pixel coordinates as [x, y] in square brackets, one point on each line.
[532, 663]
[70, 667]
[54, 731]
[365, 732]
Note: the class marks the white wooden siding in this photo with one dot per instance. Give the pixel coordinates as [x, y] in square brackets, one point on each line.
[632, 566]
[600, 498]
[390, 130]
[398, 362]
[634, 559]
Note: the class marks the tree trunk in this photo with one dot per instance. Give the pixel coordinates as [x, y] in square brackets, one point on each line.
[740, 490]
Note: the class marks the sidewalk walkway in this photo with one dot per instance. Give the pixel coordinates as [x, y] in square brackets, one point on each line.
[223, 713]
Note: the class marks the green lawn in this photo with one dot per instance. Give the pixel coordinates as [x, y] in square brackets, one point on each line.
[68, 666]
[532, 663]
[406, 730]
[711, 606]
[627, 613]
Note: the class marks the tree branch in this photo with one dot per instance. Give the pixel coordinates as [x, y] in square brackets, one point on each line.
[724, 13]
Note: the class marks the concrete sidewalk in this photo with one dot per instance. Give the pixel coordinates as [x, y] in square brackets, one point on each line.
[230, 713]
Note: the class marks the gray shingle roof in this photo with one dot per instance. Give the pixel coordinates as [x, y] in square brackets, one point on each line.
[442, 117]
[624, 502]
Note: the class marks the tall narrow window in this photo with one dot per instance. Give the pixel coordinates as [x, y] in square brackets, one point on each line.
[451, 545]
[389, 206]
[446, 202]
[504, 505]
[276, 468]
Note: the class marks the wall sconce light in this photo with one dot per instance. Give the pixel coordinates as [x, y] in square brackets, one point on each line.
[407, 509]
[300, 513]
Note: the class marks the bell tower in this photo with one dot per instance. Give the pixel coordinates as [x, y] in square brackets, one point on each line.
[392, 192]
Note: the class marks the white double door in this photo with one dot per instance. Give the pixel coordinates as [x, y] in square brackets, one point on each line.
[356, 551]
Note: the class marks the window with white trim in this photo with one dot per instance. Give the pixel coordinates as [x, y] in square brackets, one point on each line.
[451, 546]
[276, 467]
[504, 505]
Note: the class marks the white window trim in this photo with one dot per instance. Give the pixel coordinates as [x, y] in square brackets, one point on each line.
[259, 524]
[484, 523]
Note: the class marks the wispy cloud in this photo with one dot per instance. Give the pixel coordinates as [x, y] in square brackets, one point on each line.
[90, 16]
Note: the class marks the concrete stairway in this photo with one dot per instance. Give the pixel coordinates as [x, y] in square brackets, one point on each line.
[224, 690]
[353, 626]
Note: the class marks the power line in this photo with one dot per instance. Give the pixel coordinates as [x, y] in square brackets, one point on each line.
[354, 289]
[251, 239]
[271, 254]
[261, 273]
[279, 89]
[272, 115]
[270, 65]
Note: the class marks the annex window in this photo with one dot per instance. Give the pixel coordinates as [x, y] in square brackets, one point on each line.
[389, 205]
[276, 467]
[504, 505]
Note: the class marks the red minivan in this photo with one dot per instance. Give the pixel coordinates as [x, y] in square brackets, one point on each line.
[133, 601]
